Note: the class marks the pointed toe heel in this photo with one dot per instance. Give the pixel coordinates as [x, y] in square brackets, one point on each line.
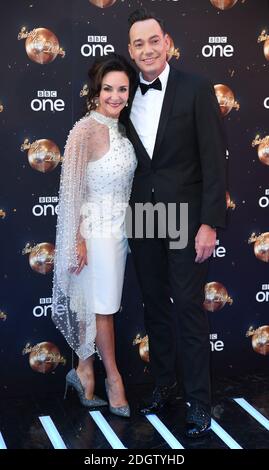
[73, 381]
[122, 411]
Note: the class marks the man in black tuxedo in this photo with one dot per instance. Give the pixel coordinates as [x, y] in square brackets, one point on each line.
[175, 127]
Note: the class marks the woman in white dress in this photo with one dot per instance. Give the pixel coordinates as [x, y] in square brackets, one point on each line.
[91, 244]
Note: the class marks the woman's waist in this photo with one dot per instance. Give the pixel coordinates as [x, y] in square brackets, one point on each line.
[107, 227]
[104, 206]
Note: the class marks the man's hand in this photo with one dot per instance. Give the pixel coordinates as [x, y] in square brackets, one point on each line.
[205, 242]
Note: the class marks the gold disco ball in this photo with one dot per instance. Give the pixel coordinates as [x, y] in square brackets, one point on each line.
[263, 151]
[43, 154]
[216, 297]
[172, 52]
[229, 203]
[42, 45]
[44, 357]
[263, 148]
[264, 37]
[223, 4]
[261, 246]
[260, 339]
[266, 49]
[41, 258]
[225, 98]
[103, 3]
[143, 343]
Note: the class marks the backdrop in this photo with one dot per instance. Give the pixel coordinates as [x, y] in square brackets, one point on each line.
[47, 50]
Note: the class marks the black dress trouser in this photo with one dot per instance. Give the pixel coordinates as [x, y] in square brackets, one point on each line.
[164, 273]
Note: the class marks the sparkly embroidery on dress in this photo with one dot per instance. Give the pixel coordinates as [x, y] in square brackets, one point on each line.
[95, 186]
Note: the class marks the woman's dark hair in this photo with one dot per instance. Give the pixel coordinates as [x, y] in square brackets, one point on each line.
[142, 14]
[103, 65]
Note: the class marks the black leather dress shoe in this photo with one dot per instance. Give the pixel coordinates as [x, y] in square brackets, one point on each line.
[198, 420]
[162, 395]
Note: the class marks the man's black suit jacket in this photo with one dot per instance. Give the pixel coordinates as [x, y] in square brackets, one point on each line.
[188, 163]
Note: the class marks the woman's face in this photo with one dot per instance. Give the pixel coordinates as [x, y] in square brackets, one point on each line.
[114, 94]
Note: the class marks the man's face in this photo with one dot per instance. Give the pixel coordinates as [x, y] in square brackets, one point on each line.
[148, 47]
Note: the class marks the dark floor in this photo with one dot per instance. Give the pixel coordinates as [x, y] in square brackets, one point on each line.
[21, 428]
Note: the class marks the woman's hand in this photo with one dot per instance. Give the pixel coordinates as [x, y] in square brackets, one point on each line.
[81, 256]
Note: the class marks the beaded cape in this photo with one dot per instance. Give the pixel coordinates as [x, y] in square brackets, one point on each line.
[72, 314]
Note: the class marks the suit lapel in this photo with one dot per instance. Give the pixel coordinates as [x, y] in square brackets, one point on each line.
[166, 107]
[138, 144]
[135, 138]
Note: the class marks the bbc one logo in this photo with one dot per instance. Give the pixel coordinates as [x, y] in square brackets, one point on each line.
[217, 47]
[264, 200]
[47, 101]
[219, 251]
[44, 308]
[96, 46]
[263, 294]
[216, 345]
[266, 102]
[46, 206]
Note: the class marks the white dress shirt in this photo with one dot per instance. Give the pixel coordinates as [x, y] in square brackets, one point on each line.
[146, 111]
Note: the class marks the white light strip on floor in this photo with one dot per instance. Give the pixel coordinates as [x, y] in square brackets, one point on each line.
[253, 412]
[106, 429]
[2, 442]
[52, 432]
[224, 436]
[164, 432]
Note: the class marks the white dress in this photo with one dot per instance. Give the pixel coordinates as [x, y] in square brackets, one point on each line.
[109, 181]
[96, 180]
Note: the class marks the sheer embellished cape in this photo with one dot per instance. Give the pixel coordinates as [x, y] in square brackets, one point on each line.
[71, 308]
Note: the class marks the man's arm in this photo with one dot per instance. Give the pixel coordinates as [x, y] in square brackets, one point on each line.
[212, 151]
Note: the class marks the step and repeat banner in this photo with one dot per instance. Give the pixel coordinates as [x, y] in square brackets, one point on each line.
[47, 50]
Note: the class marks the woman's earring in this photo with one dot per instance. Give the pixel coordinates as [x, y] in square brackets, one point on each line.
[95, 102]
[126, 106]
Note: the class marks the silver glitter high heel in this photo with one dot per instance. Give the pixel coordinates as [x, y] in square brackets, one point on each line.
[73, 380]
[123, 411]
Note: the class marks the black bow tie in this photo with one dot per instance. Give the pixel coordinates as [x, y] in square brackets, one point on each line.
[156, 85]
